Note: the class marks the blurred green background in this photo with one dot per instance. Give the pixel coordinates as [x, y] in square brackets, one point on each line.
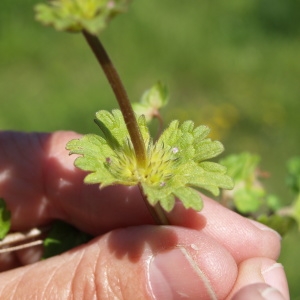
[232, 65]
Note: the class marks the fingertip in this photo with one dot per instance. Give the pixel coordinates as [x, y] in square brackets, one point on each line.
[242, 237]
[265, 228]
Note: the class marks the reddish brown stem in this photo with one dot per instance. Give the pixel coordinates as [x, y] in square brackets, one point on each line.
[121, 95]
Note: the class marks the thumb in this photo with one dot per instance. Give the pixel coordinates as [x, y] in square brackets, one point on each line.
[145, 262]
[260, 278]
[258, 291]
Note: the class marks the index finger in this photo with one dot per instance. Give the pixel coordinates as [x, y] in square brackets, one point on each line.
[40, 183]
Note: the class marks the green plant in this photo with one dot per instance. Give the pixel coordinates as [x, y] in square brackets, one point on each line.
[174, 164]
[126, 154]
[250, 197]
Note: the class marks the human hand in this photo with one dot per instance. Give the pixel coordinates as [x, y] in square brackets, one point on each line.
[214, 254]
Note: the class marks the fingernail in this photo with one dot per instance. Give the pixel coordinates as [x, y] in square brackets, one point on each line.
[275, 277]
[271, 294]
[175, 275]
[265, 228]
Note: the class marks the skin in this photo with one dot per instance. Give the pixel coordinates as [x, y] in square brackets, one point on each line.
[212, 254]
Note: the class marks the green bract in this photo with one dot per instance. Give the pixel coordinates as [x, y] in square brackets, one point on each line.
[175, 163]
[78, 15]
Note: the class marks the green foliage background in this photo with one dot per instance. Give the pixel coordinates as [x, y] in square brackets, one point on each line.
[231, 65]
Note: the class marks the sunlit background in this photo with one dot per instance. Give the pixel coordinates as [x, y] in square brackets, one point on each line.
[233, 65]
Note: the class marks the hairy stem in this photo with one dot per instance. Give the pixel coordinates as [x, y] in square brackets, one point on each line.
[121, 95]
[157, 213]
[113, 78]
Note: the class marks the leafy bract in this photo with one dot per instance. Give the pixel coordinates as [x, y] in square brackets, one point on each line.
[78, 15]
[4, 219]
[152, 101]
[175, 163]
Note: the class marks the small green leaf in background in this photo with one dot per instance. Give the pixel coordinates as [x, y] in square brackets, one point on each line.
[248, 200]
[77, 15]
[4, 219]
[248, 194]
[295, 210]
[176, 162]
[293, 178]
[63, 237]
[242, 166]
[273, 202]
[152, 101]
[282, 224]
[293, 182]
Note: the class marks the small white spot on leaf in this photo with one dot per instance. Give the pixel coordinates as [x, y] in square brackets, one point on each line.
[175, 150]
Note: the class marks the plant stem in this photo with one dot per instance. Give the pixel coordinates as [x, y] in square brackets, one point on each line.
[121, 95]
[113, 78]
[156, 211]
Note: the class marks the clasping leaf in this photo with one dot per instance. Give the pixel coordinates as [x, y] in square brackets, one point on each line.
[176, 162]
